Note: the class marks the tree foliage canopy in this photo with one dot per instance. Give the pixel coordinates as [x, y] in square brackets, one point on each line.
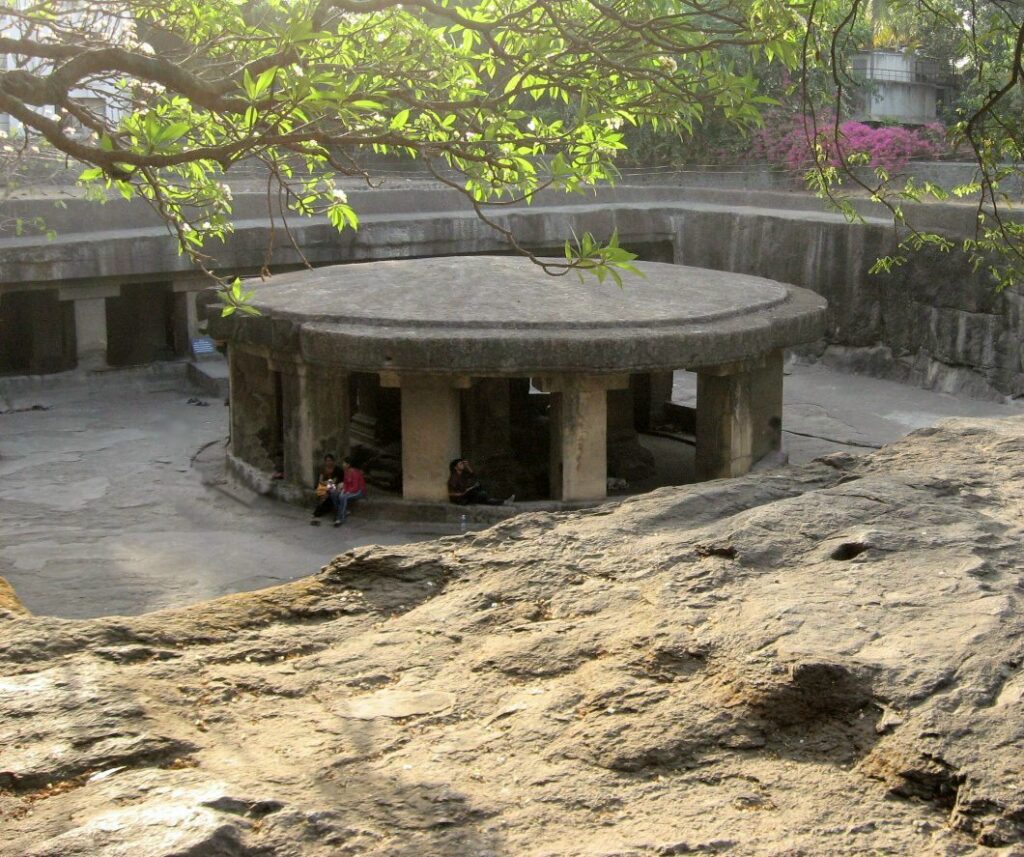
[499, 98]
[984, 40]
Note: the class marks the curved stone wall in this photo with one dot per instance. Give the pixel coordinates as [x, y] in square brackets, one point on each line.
[934, 322]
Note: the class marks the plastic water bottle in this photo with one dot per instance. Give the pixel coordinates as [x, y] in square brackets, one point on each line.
[463, 523]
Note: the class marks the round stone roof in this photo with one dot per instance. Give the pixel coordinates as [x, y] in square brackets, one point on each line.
[504, 315]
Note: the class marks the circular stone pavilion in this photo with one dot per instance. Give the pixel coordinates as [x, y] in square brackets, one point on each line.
[456, 342]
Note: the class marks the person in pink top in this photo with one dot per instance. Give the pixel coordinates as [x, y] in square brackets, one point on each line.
[353, 487]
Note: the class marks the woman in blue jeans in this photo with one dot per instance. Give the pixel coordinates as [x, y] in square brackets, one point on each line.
[336, 488]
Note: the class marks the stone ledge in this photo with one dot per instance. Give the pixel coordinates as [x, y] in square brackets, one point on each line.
[504, 316]
[11, 385]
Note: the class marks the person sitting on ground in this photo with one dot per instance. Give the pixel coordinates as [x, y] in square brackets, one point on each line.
[353, 487]
[464, 488]
[329, 479]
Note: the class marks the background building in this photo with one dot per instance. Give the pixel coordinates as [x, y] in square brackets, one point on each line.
[100, 98]
[899, 86]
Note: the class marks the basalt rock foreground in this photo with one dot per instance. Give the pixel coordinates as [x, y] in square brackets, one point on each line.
[817, 660]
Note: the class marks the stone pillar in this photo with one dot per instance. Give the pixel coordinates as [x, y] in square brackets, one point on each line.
[256, 409]
[90, 322]
[236, 389]
[316, 418]
[651, 391]
[431, 432]
[621, 423]
[520, 417]
[90, 303]
[364, 418]
[330, 411]
[627, 458]
[739, 415]
[487, 435]
[191, 315]
[186, 315]
[37, 332]
[579, 433]
[91, 332]
[766, 392]
[298, 463]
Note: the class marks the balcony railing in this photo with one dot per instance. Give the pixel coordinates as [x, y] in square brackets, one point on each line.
[872, 67]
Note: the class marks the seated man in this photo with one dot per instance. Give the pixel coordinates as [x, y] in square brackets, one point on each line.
[464, 488]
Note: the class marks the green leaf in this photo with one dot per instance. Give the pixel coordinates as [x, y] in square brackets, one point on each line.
[264, 81]
[399, 120]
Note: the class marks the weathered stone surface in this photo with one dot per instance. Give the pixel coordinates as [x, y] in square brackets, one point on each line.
[503, 315]
[396, 704]
[255, 427]
[820, 660]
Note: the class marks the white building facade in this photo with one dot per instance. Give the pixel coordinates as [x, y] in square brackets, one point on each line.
[898, 86]
[100, 98]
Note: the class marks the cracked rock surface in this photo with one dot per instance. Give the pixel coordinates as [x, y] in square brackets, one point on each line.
[823, 659]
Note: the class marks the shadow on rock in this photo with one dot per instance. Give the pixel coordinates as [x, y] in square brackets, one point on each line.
[813, 712]
[821, 710]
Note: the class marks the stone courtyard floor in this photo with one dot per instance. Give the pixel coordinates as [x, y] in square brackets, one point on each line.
[108, 501]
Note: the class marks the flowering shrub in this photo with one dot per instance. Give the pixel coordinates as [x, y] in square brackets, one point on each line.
[785, 141]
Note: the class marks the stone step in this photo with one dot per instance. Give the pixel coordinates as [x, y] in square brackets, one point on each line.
[235, 490]
[211, 375]
[382, 505]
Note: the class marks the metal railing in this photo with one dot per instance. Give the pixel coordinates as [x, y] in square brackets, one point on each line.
[921, 70]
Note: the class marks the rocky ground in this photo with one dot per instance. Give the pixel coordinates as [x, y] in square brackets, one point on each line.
[113, 496]
[824, 659]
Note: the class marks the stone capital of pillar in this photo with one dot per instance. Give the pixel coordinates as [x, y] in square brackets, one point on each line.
[88, 292]
[735, 368]
[580, 383]
[404, 379]
[196, 285]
